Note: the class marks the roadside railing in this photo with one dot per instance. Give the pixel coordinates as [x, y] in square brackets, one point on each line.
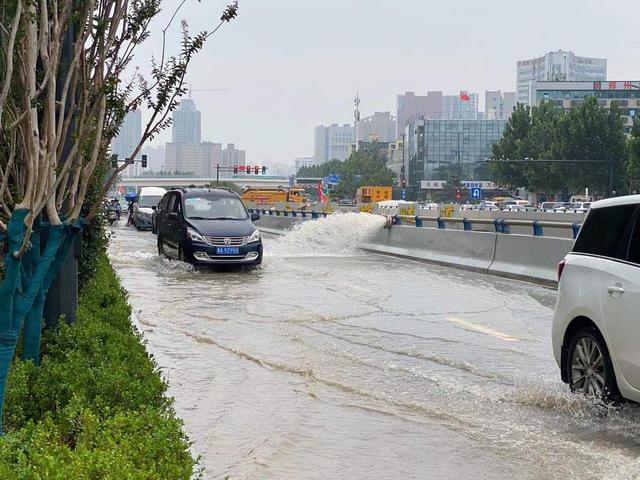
[501, 225]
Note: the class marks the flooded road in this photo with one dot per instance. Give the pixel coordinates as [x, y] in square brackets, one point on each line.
[329, 363]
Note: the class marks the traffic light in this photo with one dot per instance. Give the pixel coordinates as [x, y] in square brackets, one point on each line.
[235, 169]
[114, 160]
[264, 170]
[458, 195]
[248, 170]
[256, 169]
[144, 161]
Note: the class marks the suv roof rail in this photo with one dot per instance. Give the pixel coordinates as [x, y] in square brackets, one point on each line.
[182, 189]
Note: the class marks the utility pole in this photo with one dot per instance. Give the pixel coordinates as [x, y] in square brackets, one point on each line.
[217, 174]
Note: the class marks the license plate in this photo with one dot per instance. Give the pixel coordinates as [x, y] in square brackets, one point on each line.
[227, 251]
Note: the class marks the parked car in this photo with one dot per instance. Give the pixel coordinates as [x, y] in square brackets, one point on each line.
[549, 206]
[148, 199]
[207, 226]
[524, 207]
[467, 206]
[595, 331]
[562, 207]
[492, 206]
[580, 207]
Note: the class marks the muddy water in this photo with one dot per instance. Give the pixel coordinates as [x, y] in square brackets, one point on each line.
[327, 363]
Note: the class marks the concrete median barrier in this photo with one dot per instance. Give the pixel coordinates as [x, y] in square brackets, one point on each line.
[468, 250]
[278, 224]
[529, 258]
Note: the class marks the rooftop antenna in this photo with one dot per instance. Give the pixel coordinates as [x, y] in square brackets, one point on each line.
[356, 115]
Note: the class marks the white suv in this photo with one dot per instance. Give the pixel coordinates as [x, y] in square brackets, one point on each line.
[596, 326]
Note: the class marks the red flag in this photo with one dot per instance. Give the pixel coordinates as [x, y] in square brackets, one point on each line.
[321, 194]
[464, 96]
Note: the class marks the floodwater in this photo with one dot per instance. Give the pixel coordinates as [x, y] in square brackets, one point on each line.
[329, 363]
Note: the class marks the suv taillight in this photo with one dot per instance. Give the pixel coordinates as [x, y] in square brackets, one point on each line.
[561, 268]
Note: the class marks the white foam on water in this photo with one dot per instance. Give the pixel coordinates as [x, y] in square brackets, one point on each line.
[333, 236]
[152, 261]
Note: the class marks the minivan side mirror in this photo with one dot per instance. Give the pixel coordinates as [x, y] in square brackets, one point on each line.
[153, 207]
[255, 216]
[173, 216]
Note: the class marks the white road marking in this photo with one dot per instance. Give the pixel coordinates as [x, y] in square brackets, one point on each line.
[483, 329]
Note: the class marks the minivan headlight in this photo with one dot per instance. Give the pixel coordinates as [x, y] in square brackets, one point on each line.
[255, 237]
[195, 236]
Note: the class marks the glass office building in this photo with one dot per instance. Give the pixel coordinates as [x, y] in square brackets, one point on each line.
[567, 95]
[440, 150]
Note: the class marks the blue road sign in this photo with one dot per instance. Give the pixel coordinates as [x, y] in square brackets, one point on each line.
[334, 179]
[476, 193]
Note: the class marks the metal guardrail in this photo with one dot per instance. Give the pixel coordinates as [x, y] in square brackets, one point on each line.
[501, 225]
[289, 213]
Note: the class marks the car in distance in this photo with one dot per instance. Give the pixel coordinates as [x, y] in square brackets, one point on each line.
[596, 325]
[580, 207]
[549, 206]
[206, 227]
[491, 206]
[148, 199]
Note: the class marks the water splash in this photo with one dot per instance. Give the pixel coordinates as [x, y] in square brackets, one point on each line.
[153, 261]
[334, 236]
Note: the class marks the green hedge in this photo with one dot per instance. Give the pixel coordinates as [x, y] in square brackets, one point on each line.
[96, 407]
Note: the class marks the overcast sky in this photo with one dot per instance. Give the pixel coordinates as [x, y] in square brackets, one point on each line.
[290, 65]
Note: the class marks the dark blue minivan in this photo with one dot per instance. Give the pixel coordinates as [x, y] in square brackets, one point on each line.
[207, 226]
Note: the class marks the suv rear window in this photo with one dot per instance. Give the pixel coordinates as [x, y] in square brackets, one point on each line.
[606, 232]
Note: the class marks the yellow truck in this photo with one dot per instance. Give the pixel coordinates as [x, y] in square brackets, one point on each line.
[264, 196]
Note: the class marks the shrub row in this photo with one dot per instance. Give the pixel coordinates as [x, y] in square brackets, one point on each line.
[96, 408]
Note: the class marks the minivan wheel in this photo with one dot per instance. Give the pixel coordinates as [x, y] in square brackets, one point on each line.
[160, 247]
[589, 367]
[181, 255]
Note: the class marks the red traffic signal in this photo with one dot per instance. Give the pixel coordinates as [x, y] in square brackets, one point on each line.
[256, 169]
[458, 195]
[235, 169]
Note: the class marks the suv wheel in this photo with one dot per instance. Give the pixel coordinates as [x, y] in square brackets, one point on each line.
[160, 247]
[589, 367]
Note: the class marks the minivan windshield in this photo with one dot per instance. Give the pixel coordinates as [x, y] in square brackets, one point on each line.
[149, 201]
[214, 208]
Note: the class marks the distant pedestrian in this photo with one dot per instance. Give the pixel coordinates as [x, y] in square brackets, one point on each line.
[117, 207]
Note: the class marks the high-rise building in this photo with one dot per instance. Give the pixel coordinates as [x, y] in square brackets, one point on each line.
[186, 123]
[155, 157]
[625, 95]
[332, 142]
[498, 105]
[411, 107]
[438, 151]
[301, 162]
[455, 107]
[380, 127]
[128, 138]
[198, 160]
[231, 156]
[560, 66]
